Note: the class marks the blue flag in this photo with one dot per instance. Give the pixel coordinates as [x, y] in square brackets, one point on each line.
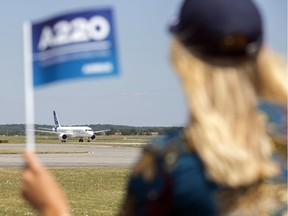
[74, 45]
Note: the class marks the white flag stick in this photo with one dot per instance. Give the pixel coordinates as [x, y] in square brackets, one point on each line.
[29, 90]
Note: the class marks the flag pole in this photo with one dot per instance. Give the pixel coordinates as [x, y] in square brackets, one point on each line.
[28, 85]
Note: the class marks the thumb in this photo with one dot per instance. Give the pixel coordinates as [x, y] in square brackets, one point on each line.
[32, 161]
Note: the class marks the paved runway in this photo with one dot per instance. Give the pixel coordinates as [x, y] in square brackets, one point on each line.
[87, 156]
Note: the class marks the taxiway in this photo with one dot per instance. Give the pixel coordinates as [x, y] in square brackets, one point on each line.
[73, 156]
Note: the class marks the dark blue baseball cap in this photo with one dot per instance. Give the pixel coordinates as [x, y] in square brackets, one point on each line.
[219, 27]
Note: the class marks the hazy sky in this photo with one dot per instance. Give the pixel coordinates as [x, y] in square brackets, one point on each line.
[147, 92]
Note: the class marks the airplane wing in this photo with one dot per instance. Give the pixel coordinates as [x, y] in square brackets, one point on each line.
[68, 133]
[47, 131]
[43, 128]
[100, 131]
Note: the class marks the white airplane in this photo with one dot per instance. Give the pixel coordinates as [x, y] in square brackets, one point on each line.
[72, 131]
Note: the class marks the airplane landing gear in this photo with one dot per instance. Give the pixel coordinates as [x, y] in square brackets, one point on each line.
[81, 140]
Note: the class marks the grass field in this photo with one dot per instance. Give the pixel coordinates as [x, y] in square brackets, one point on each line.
[99, 139]
[89, 191]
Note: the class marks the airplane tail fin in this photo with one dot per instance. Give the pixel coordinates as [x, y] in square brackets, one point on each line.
[56, 121]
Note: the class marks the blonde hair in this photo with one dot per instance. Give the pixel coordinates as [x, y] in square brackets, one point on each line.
[226, 128]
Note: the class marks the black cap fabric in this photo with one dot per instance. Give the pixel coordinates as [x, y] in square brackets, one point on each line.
[219, 27]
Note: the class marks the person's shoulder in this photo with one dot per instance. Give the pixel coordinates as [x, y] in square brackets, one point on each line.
[160, 153]
[164, 143]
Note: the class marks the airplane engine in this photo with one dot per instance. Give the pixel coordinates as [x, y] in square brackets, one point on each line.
[93, 137]
[63, 137]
